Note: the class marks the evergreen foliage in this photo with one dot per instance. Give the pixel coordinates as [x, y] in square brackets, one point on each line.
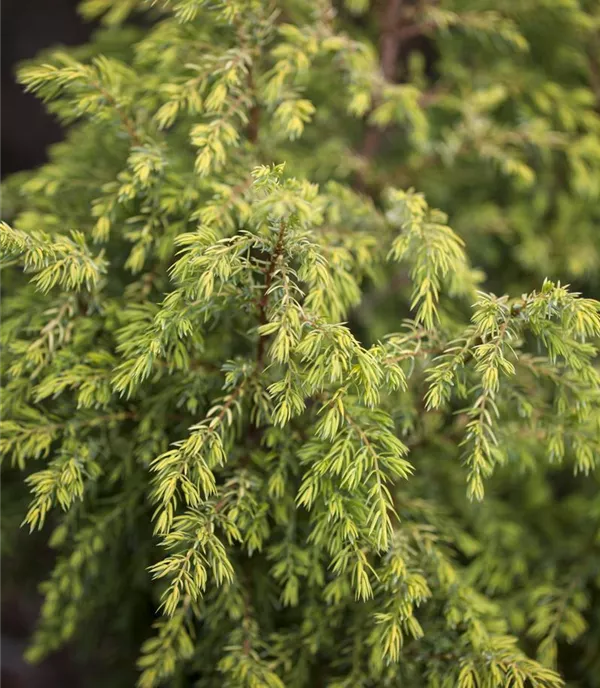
[253, 381]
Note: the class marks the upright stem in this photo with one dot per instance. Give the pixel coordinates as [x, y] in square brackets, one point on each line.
[389, 48]
[264, 301]
[254, 114]
[389, 42]
[594, 70]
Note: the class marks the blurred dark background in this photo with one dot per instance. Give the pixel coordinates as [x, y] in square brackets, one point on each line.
[29, 26]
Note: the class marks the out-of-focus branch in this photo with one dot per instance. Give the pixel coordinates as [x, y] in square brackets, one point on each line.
[389, 48]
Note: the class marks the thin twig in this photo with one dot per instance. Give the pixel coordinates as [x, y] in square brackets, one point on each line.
[127, 122]
[264, 301]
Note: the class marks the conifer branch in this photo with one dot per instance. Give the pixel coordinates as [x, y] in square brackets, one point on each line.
[293, 541]
[56, 259]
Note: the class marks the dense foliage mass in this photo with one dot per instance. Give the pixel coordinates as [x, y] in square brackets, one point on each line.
[257, 392]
